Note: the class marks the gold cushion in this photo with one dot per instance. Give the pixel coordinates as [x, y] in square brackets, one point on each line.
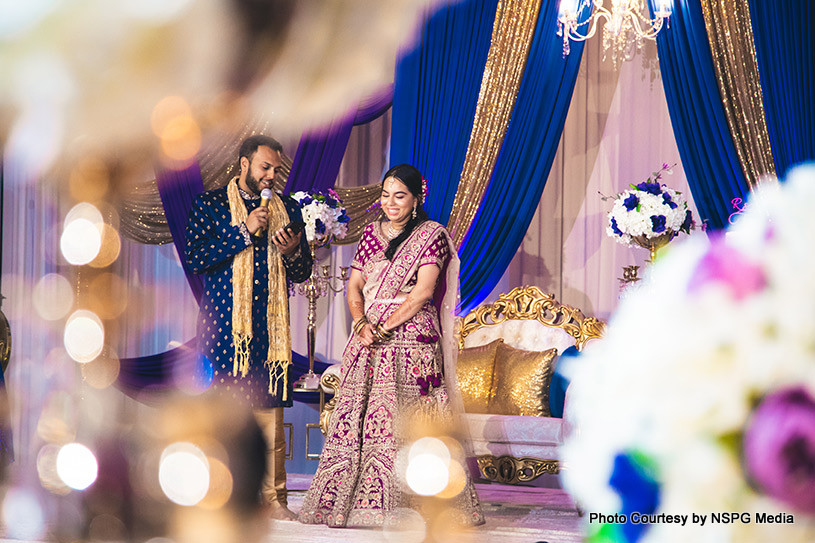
[521, 381]
[474, 371]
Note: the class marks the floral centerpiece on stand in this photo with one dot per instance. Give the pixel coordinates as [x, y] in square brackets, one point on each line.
[649, 214]
[326, 220]
[324, 216]
[700, 398]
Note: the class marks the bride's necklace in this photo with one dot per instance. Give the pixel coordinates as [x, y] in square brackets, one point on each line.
[391, 233]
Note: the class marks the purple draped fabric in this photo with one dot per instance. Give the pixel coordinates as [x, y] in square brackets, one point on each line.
[320, 152]
[178, 189]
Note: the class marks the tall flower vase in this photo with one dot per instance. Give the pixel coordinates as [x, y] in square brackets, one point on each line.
[654, 244]
[314, 288]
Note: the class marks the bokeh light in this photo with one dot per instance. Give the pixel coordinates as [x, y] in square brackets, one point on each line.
[82, 232]
[173, 123]
[23, 517]
[77, 466]
[53, 297]
[102, 371]
[184, 473]
[220, 485]
[80, 242]
[457, 481]
[47, 470]
[89, 180]
[84, 336]
[108, 295]
[430, 445]
[84, 210]
[110, 247]
[427, 474]
[107, 527]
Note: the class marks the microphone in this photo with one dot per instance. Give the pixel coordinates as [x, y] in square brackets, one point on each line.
[265, 196]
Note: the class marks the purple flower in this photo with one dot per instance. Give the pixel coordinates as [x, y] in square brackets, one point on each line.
[728, 267]
[306, 201]
[666, 199]
[688, 222]
[615, 228]
[658, 223]
[429, 382]
[343, 217]
[650, 188]
[319, 226]
[779, 448]
[631, 202]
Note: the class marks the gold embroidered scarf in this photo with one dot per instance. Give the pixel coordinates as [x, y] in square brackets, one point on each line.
[278, 358]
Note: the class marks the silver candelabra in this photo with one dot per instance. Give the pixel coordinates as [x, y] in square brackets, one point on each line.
[321, 282]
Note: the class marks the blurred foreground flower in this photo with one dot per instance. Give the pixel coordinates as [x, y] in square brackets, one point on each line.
[90, 76]
[707, 370]
[779, 448]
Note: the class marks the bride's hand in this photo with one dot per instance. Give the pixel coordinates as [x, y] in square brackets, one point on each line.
[366, 335]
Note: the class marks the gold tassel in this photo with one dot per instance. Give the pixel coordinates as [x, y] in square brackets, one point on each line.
[242, 355]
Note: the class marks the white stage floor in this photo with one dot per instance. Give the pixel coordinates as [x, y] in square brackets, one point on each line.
[513, 514]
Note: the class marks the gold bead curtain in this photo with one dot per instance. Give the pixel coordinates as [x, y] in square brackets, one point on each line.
[730, 34]
[511, 38]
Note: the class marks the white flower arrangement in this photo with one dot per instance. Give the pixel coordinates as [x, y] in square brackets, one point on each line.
[649, 210]
[323, 214]
[700, 399]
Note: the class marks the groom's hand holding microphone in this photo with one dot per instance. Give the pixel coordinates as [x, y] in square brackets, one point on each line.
[258, 220]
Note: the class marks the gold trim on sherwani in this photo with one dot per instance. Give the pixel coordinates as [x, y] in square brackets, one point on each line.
[278, 358]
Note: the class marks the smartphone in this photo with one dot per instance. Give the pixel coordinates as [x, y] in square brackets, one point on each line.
[295, 226]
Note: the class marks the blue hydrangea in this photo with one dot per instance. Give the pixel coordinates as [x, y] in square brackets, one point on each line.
[631, 202]
[634, 480]
[319, 226]
[343, 218]
[666, 199]
[651, 188]
[658, 223]
[615, 228]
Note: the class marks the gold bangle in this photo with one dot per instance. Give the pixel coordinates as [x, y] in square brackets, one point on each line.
[385, 334]
[359, 323]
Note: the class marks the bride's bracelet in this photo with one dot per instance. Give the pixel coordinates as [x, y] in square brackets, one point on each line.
[381, 334]
[359, 324]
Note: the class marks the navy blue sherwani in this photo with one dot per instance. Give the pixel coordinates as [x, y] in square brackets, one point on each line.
[212, 244]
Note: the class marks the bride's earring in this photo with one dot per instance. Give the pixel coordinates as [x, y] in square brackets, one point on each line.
[414, 210]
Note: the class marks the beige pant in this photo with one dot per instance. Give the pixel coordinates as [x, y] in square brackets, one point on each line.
[274, 484]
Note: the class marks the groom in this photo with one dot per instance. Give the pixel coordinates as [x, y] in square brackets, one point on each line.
[246, 258]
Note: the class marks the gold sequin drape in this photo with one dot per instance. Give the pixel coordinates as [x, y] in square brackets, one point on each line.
[142, 214]
[730, 34]
[512, 34]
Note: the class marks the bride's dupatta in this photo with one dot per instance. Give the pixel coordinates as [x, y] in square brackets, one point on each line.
[382, 293]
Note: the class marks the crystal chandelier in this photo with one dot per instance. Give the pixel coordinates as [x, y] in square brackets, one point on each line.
[627, 24]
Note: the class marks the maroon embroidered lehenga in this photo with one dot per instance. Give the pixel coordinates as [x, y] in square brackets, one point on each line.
[357, 481]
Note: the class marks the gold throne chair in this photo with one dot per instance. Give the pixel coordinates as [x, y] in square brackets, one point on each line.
[507, 355]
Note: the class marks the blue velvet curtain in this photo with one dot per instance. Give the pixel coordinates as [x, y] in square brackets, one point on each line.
[320, 152]
[784, 36]
[705, 144]
[524, 162]
[435, 94]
